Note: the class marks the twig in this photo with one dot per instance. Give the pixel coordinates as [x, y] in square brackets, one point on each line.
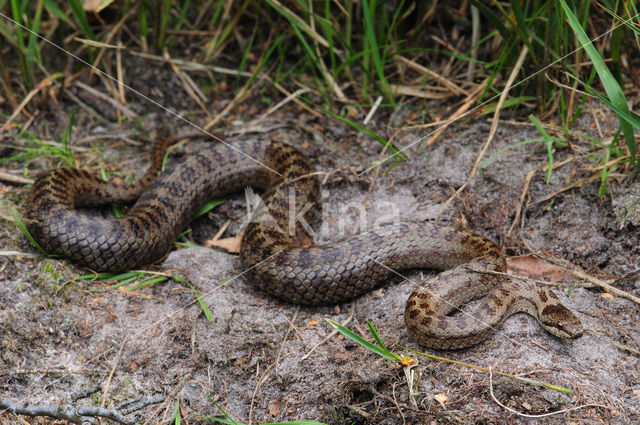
[187, 83]
[113, 369]
[525, 190]
[494, 127]
[77, 414]
[606, 286]
[87, 393]
[373, 110]
[439, 78]
[18, 254]
[48, 81]
[535, 416]
[284, 339]
[626, 347]
[332, 334]
[528, 279]
[111, 101]
[14, 179]
[463, 110]
[284, 101]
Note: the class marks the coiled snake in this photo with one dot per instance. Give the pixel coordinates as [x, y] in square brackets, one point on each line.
[271, 253]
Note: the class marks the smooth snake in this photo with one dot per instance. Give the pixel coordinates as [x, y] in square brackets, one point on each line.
[270, 248]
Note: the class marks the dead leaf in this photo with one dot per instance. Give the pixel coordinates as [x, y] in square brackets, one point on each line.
[536, 268]
[96, 6]
[275, 408]
[231, 245]
[441, 398]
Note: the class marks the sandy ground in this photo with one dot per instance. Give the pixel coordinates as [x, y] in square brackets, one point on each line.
[252, 358]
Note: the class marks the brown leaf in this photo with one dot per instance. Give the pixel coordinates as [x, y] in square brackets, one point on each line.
[231, 245]
[536, 268]
[275, 408]
[96, 6]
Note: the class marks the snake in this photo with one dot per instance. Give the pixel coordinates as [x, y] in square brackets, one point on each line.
[275, 251]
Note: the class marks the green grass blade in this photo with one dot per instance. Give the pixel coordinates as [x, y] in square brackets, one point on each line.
[52, 7]
[197, 295]
[374, 332]
[205, 209]
[146, 282]
[492, 17]
[77, 10]
[363, 342]
[28, 235]
[176, 419]
[549, 141]
[625, 113]
[375, 50]
[611, 86]
[399, 155]
[164, 22]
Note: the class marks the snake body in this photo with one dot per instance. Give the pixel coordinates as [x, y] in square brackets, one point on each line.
[270, 248]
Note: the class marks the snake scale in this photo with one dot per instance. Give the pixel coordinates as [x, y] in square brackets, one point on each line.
[273, 257]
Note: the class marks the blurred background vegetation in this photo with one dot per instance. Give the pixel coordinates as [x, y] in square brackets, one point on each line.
[340, 58]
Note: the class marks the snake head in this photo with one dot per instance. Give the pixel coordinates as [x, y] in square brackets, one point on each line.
[560, 321]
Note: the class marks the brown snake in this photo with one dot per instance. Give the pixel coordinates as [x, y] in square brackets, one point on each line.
[275, 262]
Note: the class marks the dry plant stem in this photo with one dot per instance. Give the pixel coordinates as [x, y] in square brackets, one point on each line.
[112, 33]
[170, 396]
[261, 381]
[542, 282]
[456, 90]
[295, 98]
[605, 285]
[414, 91]
[626, 347]
[494, 127]
[25, 102]
[327, 75]
[535, 416]
[317, 37]
[238, 97]
[395, 402]
[475, 36]
[525, 189]
[14, 179]
[284, 339]
[211, 44]
[120, 71]
[187, 84]
[373, 110]
[579, 183]
[17, 254]
[111, 101]
[283, 102]
[193, 66]
[333, 333]
[88, 109]
[103, 399]
[469, 101]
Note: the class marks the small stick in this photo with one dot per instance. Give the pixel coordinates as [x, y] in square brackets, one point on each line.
[606, 286]
[494, 127]
[14, 179]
